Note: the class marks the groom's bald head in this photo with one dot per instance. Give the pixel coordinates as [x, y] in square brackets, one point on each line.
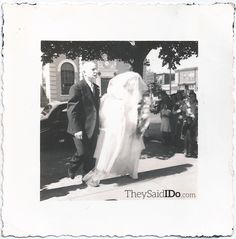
[89, 70]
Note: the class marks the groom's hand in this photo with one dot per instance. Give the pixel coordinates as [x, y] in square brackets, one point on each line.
[79, 135]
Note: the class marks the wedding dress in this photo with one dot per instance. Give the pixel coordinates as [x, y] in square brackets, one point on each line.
[123, 119]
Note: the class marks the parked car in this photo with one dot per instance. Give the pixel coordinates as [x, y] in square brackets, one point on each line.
[53, 123]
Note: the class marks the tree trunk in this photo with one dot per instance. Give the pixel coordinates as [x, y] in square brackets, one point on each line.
[170, 80]
[138, 66]
[140, 54]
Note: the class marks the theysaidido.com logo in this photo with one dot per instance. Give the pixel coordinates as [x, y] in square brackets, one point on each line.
[165, 193]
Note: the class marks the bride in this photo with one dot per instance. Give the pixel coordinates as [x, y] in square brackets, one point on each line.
[123, 120]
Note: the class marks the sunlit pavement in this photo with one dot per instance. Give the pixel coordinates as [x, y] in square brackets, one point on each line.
[160, 169]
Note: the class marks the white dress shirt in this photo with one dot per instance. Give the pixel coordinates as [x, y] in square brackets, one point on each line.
[90, 84]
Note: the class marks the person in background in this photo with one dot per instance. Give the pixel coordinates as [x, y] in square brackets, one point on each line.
[193, 102]
[178, 121]
[166, 100]
[189, 131]
[195, 146]
[194, 111]
[188, 134]
[186, 91]
[165, 124]
[173, 120]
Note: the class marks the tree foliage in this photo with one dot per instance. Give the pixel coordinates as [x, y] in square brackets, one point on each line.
[173, 52]
[133, 53]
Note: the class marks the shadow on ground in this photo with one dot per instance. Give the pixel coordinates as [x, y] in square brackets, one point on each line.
[59, 192]
[120, 181]
[53, 163]
[148, 175]
[53, 159]
[155, 148]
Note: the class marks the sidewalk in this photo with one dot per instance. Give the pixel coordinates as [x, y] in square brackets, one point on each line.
[160, 168]
[174, 172]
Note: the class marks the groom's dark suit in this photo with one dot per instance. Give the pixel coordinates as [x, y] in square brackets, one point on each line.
[82, 112]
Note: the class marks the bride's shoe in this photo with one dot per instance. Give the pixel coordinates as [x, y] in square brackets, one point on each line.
[133, 176]
[93, 183]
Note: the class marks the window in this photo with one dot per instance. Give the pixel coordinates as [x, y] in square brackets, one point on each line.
[67, 77]
[167, 78]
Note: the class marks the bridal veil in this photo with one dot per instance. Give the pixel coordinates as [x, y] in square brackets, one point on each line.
[119, 146]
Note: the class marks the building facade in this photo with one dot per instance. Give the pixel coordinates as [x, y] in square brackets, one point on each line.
[62, 73]
[187, 77]
[179, 80]
[164, 80]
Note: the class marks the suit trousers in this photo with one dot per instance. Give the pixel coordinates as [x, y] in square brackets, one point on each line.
[84, 154]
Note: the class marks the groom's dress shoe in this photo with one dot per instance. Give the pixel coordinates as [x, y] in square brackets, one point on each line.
[73, 168]
[71, 174]
[71, 171]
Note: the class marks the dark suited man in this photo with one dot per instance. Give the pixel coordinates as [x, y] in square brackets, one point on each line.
[83, 120]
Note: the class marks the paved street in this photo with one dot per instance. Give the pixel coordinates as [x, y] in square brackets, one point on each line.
[161, 168]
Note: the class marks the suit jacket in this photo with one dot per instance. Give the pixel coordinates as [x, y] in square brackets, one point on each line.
[82, 109]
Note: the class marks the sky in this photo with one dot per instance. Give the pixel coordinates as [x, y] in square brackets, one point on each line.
[156, 63]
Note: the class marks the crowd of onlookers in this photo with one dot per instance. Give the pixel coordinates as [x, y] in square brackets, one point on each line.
[179, 120]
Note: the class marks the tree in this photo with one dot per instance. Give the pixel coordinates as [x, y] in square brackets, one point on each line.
[132, 52]
[173, 52]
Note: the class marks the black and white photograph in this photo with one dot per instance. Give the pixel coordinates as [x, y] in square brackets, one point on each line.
[118, 118]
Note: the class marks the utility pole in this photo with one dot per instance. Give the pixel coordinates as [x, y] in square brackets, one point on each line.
[170, 80]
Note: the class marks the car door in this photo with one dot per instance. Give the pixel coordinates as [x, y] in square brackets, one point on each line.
[60, 122]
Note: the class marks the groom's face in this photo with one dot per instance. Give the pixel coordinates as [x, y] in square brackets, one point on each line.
[90, 71]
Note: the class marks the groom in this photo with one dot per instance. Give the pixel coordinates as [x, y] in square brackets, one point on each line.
[83, 120]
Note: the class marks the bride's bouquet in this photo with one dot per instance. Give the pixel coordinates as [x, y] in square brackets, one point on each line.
[143, 116]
